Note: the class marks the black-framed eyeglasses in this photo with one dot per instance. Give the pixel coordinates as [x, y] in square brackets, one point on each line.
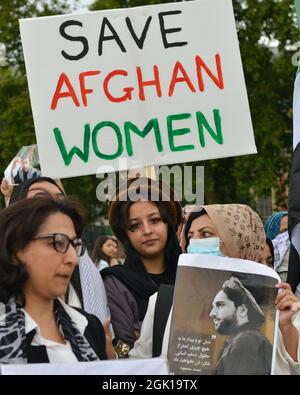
[61, 243]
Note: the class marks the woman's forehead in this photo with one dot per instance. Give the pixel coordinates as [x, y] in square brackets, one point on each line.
[202, 221]
[141, 208]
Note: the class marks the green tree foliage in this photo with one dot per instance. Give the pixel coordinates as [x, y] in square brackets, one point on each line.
[13, 10]
[109, 4]
[16, 122]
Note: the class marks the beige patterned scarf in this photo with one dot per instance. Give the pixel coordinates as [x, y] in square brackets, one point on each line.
[240, 228]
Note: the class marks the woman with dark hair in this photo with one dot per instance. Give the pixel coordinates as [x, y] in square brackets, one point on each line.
[241, 235]
[147, 229]
[104, 252]
[39, 248]
[86, 289]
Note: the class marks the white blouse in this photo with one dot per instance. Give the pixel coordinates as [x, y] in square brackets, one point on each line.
[102, 264]
[57, 352]
[143, 346]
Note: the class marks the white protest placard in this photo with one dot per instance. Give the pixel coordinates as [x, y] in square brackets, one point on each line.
[153, 366]
[118, 89]
[224, 320]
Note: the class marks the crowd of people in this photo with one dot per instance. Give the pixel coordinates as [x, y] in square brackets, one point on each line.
[61, 305]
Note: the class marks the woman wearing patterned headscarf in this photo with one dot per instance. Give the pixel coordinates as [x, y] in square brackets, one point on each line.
[242, 236]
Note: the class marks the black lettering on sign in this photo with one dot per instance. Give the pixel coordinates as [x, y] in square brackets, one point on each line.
[165, 31]
[139, 40]
[114, 36]
[83, 40]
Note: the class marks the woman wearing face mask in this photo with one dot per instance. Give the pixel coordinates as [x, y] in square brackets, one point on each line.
[239, 233]
[248, 246]
[147, 230]
[39, 248]
[239, 229]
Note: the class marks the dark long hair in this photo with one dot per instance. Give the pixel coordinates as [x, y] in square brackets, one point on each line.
[98, 253]
[172, 249]
[19, 223]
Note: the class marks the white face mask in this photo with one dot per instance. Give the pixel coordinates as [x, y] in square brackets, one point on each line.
[209, 246]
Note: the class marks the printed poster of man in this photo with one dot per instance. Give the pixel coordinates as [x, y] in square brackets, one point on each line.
[224, 316]
[24, 166]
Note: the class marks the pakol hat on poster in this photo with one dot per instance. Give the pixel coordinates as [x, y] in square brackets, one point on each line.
[255, 314]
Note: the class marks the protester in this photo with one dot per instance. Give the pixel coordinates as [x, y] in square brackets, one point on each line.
[238, 227]
[39, 249]
[104, 252]
[147, 230]
[87, 289]
[288, 349]
[241, 235]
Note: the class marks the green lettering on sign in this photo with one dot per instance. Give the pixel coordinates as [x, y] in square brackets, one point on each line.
[202, 123]
[130, 127]
[68, 156]
[118, 134]
[172, 133]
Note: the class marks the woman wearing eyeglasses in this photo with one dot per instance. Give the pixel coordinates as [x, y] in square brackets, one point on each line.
[39, 249]
[86, 289]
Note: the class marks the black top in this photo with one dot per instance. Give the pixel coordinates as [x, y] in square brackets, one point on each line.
[158, 279]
